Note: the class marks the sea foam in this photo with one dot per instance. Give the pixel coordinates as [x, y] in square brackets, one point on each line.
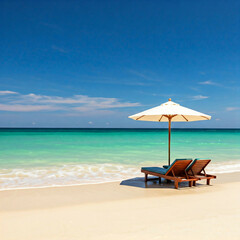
[83, 174]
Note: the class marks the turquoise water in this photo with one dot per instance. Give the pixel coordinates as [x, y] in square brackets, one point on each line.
[49, 157]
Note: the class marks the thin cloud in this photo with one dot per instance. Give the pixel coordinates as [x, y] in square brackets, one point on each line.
[114, 81]
[227, 85]
[209, 83]
[232, 108]
[7, 92]
[199, 97]
[195, 89]
[77, 103]
[144, 76]
[139, 74]
[25, 108]
[89, 112]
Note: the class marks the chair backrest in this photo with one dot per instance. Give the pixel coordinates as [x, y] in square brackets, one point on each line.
[178, 167]
[198, 166]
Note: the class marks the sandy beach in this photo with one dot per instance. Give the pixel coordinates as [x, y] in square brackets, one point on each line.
[123, 210]
[96, 96]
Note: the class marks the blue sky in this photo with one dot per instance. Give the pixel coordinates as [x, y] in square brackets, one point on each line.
[93, 63]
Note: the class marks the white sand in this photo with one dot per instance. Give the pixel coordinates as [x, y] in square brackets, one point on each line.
[127, 211]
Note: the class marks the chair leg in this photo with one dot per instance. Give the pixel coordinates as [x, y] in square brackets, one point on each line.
[160, 180]
[146, 175]
[176, 184]
[208, 181]
[190, 183]
[194, 183]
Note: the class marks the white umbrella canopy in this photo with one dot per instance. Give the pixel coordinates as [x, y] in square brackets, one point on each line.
[170, 112]
[170, 109]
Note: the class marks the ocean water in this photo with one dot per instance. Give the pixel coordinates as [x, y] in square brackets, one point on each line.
[57, 157]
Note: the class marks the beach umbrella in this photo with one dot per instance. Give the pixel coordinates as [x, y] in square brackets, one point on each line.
[170, 112]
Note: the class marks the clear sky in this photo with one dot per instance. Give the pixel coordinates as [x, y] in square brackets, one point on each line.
[93, 63]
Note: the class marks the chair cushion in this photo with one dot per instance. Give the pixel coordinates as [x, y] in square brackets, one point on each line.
[155, 169]
[164, 169]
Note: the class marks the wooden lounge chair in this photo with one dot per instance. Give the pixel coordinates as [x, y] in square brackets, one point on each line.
[197, 169]
[176, 172]
[167, 166]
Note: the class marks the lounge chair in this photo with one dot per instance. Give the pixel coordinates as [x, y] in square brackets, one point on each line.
[176, 172]
[197, 169]
[167, 166]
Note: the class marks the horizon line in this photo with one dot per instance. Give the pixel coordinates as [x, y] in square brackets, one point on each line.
[109, 128]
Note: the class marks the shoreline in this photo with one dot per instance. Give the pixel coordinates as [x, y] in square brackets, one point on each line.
[84, 174]
[121, 178]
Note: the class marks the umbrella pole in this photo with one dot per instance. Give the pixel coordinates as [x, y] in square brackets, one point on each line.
[169, 139]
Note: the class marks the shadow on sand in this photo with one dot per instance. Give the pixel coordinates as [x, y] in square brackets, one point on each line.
[151, 183]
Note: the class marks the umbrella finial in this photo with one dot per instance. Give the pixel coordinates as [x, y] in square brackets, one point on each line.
[169, 99]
